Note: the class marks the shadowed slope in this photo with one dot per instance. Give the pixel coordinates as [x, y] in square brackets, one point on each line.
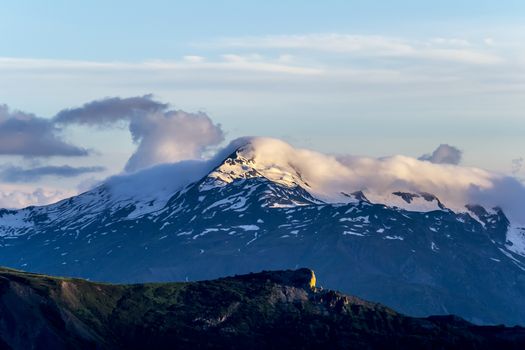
[262, 310]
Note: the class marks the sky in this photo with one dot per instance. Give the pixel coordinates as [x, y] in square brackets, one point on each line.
[92, 89]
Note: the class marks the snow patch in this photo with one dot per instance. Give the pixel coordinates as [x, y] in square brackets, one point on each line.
[394, 237]
[248, 227]
[353, 233]
[516, 240]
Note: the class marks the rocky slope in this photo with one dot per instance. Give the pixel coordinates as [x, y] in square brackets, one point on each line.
[280, 309]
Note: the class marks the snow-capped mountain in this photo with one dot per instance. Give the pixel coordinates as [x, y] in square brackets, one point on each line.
[256, 206]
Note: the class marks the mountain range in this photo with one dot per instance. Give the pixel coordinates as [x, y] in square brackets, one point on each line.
[240, 212]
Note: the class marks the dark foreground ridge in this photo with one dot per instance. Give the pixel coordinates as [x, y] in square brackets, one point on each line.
[279, 309]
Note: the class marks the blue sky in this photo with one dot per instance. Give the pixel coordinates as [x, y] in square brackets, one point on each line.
[136, 30]
[360, 77]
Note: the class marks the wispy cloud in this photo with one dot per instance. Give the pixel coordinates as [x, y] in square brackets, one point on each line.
[19, 174]
[312, 63]
[454, 50]
[227, 62]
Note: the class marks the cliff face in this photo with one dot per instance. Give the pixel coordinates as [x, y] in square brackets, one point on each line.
[280, 309]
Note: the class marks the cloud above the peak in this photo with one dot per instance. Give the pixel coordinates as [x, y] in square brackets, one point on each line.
[328, 176]
[24, 134]
[444, 154]
[162, 135]
[171, 136]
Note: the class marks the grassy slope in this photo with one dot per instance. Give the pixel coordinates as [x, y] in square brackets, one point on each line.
[264, 310]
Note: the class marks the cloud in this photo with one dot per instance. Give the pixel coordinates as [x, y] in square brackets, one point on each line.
[89, 184]
[19, 174]
[161, 135]
[455, 185]
[15, 196]
[161, 181]
[110, 110]
[441, 49]
[194, 59]
[328, 176]
[427, 68]
[444, 154]
[27, 135]
[227, 63]
[171, 136]
[517, 165]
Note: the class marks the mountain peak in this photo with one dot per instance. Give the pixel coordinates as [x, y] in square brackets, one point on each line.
[249, 161]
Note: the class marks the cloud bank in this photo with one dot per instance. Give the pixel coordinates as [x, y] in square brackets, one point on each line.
[161, 135]
[455, 185]
[328, 176]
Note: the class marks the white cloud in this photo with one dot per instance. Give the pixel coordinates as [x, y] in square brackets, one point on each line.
[194, 59]
[451, 42]
[327, 176]
[455, 185]
[161, 135]
[170, 137]
[321, 64]
[444, 154]
[453, 49]
[229, 62]
[15, 196]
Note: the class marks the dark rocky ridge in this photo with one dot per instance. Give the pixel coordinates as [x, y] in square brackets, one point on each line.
[280, 309]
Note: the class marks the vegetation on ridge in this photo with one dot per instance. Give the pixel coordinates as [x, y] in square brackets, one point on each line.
[261, 310]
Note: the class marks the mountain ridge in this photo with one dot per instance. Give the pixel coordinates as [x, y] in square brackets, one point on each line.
[270, 309]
